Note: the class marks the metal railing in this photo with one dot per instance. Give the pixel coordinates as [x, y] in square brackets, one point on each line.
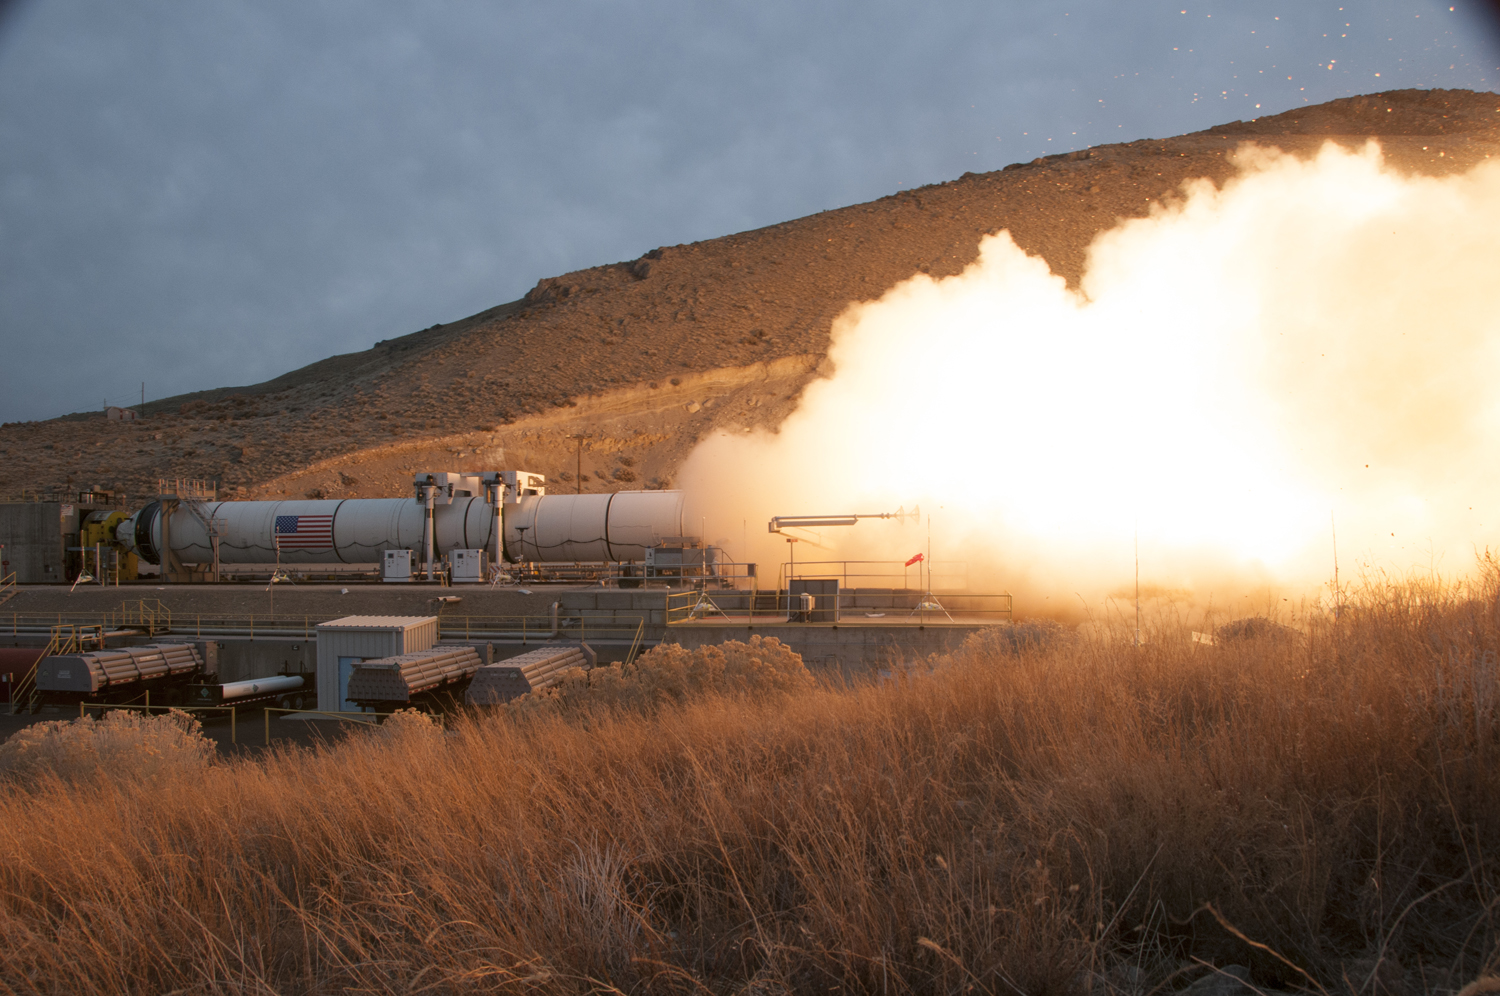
[187, 488]
[866, 608]
[878, 574]
[148, 614]
[362, 718]
[148, 708]
[64, 638]
[7, 585]
[32, 496]
[151, 618]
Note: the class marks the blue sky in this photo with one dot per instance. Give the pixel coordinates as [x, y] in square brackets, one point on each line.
[195, 195]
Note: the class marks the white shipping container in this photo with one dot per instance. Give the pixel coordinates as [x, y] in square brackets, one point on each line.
[343, 643]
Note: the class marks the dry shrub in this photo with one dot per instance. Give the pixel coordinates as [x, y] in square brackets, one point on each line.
[1028, 636]
[407, 725]
[671, 674]
[125, 745]
[1051, 821]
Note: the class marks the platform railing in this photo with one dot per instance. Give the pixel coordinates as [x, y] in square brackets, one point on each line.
[148, 709]
[619, 627]
[855, 607]
[148, 614]
[362, 718]
[953, 575]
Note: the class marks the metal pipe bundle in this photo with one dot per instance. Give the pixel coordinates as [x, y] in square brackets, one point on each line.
[517, 676]
[99, 669]
[400, 678]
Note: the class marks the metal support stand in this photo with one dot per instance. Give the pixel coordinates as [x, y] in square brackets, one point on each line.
[427, 527]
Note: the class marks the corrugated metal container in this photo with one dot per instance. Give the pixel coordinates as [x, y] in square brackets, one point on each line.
[343, 643]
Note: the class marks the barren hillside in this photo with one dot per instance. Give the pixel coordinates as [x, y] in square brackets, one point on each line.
[646, 356]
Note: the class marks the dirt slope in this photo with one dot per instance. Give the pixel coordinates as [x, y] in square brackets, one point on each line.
[646, 356]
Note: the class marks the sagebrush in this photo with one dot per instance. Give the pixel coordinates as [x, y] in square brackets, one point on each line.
[1036, 815]
[671, 675]
[125, 745]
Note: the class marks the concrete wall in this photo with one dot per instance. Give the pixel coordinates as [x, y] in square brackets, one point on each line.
[856, 651]
[240, 660]
[32, 532]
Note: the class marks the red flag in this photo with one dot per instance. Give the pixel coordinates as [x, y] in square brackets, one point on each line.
[915, 560]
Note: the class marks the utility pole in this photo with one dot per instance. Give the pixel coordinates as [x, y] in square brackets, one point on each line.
[579, 437]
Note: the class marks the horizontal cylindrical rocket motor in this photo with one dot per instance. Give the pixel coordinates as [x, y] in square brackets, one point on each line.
[348, 531]
[590, 528]
[537, 528]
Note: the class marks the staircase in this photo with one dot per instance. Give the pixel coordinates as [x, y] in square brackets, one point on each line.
[68, 638]
[148, 615]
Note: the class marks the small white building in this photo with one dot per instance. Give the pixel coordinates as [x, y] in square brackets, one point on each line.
[115, 414]
[343, 643]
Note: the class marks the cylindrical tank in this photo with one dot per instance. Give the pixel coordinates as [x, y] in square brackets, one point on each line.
[590, 528]
[539, 528]
[348, 531]
[232, 690]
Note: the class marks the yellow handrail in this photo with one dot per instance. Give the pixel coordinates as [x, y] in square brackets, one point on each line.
[66, 638]
[344, 717]
[624, 625]
[148, 614]
[683, 609]
[640, 633]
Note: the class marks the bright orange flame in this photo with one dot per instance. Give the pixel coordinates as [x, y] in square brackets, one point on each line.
[1317, 340]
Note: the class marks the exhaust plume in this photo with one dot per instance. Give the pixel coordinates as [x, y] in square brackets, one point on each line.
[1315, 343]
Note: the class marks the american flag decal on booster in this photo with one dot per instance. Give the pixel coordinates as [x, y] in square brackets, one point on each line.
[304, 532]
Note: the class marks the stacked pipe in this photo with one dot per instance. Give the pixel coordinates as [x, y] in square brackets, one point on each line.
[517, 676]
[99, 669]
[400, 678]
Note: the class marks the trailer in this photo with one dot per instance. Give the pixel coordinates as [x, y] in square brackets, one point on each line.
[452, 675]
[123, 674]
[283, 690]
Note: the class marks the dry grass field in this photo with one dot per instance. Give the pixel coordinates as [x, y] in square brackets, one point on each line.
[1080, 815]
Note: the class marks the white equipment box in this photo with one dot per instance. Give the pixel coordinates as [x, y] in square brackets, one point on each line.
[397, 566]
[468, 566]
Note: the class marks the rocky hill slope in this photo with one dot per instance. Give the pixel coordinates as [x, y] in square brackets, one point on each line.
[622, 368]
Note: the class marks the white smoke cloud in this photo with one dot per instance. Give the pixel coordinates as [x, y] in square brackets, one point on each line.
[1316, 342]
